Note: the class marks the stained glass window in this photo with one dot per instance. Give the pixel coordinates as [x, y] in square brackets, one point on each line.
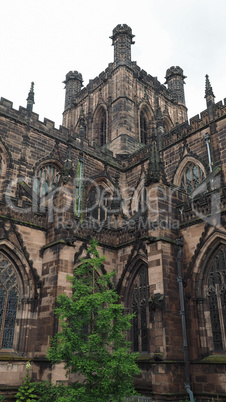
[139, 301]
[216, 295]
[8, 302]
[192, 176]
[46, 180]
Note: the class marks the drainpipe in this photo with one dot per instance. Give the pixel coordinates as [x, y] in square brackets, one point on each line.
[187, 386]
[207, 139]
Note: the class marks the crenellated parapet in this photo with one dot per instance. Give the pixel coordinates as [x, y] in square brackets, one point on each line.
[25, 117]
[196, 123]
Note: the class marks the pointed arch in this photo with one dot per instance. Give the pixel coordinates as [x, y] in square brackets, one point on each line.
[136, 302]
[145, 121]
[210, 291]
[139, 198]
[18, 297]
[46, 177]
[99, 196]
[189, 174]
[168, 124]
[5, 164]
[100, 125]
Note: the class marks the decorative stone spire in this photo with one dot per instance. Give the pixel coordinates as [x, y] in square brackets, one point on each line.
[31, 98]
[122, 39]
[73, 85]
[209, 95]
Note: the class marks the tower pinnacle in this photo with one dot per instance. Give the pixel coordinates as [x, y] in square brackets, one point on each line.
[31, 98]
[209, 95]
[122, 39]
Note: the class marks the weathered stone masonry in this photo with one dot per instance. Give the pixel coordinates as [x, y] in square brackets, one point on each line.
[127, 168]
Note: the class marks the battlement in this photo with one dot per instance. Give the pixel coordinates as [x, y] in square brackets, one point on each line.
[24, 116]
[197, 122]
[138, 73]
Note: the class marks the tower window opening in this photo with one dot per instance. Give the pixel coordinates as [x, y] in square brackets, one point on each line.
[103, 129]
[143, 128]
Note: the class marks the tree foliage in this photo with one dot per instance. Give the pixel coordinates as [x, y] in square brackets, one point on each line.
[92, 337]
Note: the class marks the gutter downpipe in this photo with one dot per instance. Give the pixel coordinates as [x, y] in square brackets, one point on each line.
[179, 243]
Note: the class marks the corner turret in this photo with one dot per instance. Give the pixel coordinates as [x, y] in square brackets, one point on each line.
[122, 39]
[73, 85]
[175, 81]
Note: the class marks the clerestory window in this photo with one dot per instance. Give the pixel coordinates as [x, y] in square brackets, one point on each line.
[192, 176]
[9, 297]
[98, 204]
[103, 129]
[143, 128]
[46, 180]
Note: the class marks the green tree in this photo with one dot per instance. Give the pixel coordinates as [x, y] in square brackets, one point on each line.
[26, 392]
[92, 337]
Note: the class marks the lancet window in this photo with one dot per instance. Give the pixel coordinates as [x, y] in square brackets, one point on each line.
[9, 296]
[216, 296]
[143, 128]
[138, 302]
[103, 129]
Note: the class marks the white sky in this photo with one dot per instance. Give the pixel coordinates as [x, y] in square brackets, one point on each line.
[41, 40]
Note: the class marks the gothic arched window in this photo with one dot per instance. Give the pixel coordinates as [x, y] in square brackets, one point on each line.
[46, 180]
[103, 129]
[216, 296]
[98, 204]
[192, 176]
[143, 128]
[9, 296]
[138, 304]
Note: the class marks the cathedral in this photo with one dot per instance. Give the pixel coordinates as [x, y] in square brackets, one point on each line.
[128, 169]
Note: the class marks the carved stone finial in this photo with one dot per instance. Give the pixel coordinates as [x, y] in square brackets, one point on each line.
[208, 88]
[31, 98]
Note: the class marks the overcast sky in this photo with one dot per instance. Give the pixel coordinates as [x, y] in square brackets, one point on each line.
[41, 40]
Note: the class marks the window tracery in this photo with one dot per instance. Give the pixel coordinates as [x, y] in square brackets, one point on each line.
[192, 177]
[138, 300]
[46, 180]
[98, 204]
[9, 295]
[216, 296]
